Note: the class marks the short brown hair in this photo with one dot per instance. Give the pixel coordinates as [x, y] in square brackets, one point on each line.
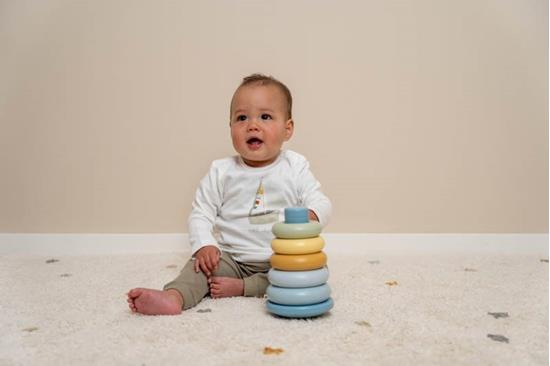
[262, 79]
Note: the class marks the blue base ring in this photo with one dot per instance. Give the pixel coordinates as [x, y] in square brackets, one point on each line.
[298, 296]
[311, 278]
[300, 311]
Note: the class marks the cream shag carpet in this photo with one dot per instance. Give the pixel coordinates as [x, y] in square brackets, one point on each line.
[424, 308]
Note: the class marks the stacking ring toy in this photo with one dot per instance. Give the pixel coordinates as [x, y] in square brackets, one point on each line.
[300, 311]
[297, 231]
[298, 296]
[302, 262]
[298, 246]
[312, 278]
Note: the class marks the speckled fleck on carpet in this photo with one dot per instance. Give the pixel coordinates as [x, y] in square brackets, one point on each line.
[390, 309]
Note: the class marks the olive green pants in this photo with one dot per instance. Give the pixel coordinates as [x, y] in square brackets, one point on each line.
[194, 287]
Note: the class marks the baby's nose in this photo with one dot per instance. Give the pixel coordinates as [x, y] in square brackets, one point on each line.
[252, 125]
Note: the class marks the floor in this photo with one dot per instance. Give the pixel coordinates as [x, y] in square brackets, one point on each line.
[407, 308]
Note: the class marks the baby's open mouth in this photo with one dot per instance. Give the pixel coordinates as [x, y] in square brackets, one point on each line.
[254, 142]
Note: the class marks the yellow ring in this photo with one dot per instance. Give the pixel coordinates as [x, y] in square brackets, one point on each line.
[303, 262]
[298, 246]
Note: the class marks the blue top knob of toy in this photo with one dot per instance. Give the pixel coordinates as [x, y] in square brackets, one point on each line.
[296, 215]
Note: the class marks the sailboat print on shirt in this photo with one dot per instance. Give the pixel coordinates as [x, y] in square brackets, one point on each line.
[259, 214]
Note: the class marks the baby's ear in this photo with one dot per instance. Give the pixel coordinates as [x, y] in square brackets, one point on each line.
[289, 127]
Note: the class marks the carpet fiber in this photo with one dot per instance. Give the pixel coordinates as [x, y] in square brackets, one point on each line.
[390, 309]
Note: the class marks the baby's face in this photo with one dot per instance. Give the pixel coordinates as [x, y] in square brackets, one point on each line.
[259, 123]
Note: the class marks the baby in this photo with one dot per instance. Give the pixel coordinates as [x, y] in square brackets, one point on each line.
[237, 203]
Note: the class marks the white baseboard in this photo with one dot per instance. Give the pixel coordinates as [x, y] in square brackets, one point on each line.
[104, 244]
[91, 244]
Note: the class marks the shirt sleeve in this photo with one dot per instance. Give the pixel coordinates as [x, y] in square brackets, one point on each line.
[205, 209]
[311, 195]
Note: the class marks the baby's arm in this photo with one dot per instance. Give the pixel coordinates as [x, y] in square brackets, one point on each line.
[201, 223]
[312, 197]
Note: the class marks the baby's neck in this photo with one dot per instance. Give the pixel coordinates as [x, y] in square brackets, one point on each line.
[260, 164]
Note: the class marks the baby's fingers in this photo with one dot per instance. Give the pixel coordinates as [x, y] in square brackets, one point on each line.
[215, 260]
[204, 267]
[197, 264]
[209, 264]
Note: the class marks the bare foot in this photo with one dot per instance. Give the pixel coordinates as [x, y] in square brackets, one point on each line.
[154, 302]
[226, 287]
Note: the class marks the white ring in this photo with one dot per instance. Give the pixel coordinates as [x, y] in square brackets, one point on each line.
[311, 278]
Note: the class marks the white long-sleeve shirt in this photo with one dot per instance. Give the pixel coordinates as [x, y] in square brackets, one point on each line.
[236, 205]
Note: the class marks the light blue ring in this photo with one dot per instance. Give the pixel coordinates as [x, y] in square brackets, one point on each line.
[298, 296]
[300, 311]
[297, 231]
[296, 215]
[293, 279]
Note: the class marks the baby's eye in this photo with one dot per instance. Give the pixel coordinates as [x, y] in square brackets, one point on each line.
[242, 117]
[266, 116]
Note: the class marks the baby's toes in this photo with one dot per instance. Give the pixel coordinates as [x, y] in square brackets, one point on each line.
[135, 292]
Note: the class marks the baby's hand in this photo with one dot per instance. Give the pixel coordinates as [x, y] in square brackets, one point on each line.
[312, 216]
[207, 259]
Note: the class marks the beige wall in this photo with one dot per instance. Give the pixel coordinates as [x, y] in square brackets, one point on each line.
[417, 116]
